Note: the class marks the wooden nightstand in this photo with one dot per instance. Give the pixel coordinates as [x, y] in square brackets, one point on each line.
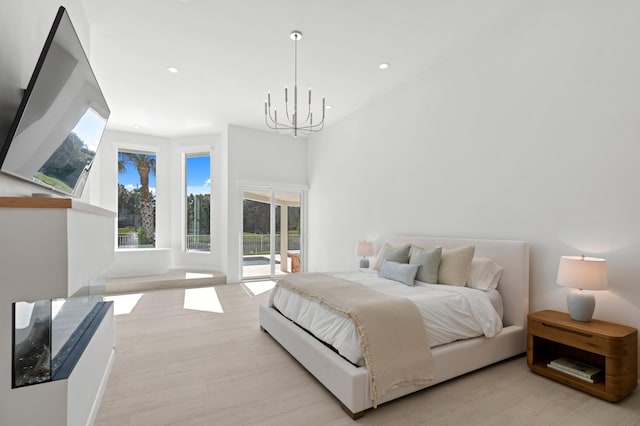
[605, 345]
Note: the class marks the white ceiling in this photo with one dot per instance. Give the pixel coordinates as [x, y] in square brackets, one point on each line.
[230, 53]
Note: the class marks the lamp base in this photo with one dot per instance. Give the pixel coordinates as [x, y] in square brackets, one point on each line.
[581, 305]
[364, 263]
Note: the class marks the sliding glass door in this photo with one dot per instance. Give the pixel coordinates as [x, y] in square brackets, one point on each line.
[272, 232]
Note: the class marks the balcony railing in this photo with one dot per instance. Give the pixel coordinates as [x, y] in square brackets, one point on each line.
[259, 244]
[198, 243]
[251, 244]
[129, 240]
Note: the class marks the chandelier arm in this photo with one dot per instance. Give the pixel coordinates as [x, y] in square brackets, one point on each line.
[310, 129]
[310, 126]
[270, 121]
[307, 130]
[281, 123]
[318, 126]
[309, 108]
[308, 115]
[286, 105]
[268, 124]
[272, 124]
[276, 125]
[267, 114]
[281, 129]
[273, 120]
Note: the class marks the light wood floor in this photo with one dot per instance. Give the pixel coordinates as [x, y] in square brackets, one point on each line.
[176, 366]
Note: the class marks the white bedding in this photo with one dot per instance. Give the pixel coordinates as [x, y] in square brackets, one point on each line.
[449, 312]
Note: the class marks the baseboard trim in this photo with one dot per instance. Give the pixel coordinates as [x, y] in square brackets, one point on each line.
[103, 385]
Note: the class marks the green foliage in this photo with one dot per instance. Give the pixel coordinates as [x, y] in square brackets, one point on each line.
[67, 162]
[256, 217]
[56, 183]
[129, 208]
[142, 237]
[198, 214]
[145, 161]
[127, 230]
[294, 218]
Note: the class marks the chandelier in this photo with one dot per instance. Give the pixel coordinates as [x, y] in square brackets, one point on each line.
[292, 121]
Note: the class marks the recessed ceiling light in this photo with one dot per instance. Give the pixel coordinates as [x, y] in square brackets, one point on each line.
[383, 66]
[172, 70]
[328, 107]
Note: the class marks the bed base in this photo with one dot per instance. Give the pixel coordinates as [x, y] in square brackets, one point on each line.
[350, 384]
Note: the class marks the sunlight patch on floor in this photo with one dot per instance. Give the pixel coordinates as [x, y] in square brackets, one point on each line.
[259, 287]
[202, 299]
[123, 304]
[196, 275]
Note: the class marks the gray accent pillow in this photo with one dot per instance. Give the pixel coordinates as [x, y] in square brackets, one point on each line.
[429, 261]
[395, 254]
[401, 272]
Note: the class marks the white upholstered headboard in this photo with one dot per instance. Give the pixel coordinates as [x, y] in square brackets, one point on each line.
[513, 256]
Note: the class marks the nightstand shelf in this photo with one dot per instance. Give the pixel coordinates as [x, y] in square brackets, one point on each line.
[611, 347]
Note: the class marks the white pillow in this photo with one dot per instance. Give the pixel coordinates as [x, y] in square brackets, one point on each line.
[484, 274]
[401, 272]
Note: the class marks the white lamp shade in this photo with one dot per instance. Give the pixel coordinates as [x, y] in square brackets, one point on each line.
[586, 273]
[364, 248]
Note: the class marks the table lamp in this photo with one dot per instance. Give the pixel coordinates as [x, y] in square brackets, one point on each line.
[364, 249]
[582, 273]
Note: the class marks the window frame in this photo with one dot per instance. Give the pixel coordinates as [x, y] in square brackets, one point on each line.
[184, 193]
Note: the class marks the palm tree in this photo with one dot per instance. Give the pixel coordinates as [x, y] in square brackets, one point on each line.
[145, 164]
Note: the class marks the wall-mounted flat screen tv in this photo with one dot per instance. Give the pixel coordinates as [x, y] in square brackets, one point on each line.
[55, 134]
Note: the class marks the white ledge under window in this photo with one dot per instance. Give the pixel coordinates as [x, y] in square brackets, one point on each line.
[141, 249]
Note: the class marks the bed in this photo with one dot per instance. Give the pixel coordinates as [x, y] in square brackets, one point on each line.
[350, 383]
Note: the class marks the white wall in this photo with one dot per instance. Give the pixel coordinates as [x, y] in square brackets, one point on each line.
[263, 157]
[529, 131]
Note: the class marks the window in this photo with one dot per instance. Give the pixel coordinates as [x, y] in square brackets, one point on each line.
[136, 199]
[198, 202]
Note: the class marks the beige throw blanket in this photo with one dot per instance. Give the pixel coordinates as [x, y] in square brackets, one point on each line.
[394, 343]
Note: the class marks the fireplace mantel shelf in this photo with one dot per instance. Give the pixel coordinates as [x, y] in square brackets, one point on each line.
[51, 203]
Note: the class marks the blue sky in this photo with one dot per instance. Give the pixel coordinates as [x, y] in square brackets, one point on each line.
[90, 128]
[198, 176]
